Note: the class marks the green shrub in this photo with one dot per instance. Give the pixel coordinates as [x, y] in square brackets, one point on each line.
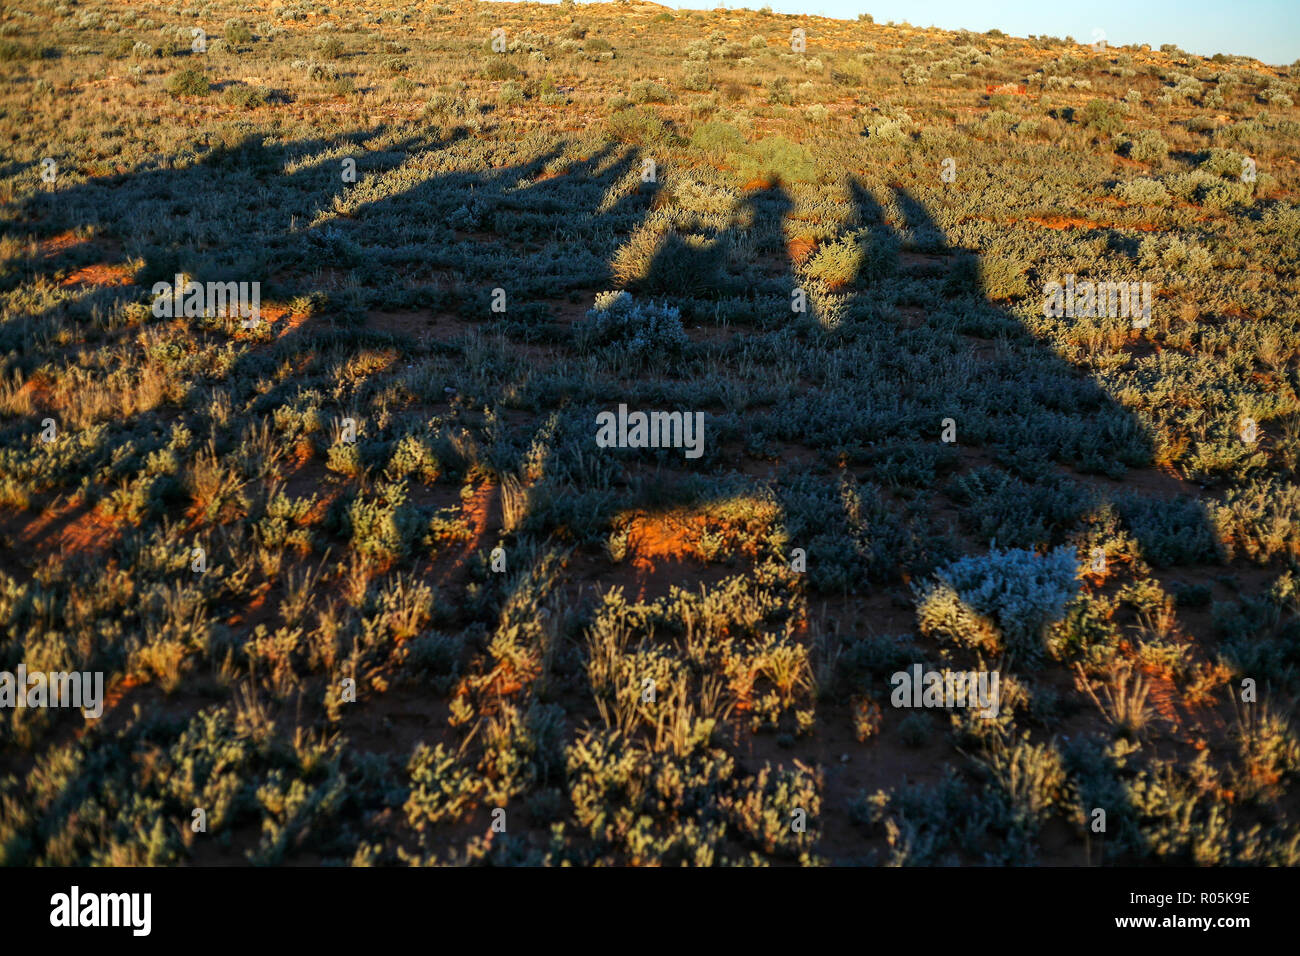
[640, 126]
[1002, 277]
[510, 94]
[383, 526]
[499, 68]
[1103, 117]
[441, 788]
[188, 83]
[859, 255]
[778, 92]
[916, 75]
[1021, 591]
[237, 32]
[717, 139]
[1223, 162]
[1143, 192]
[1224, 195]
[642, 328]
[696, 77]
[245, 97]
[1147, 146]
[647, 91]
[891, 128]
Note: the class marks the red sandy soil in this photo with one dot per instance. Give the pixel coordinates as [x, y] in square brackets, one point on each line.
[479, 514]
[666, 549]
[50, 248]
[800, 248]
[101, 274]
[70, 529]
[1073, 222]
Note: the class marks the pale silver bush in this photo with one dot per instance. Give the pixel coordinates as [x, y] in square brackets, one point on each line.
[1020, 590]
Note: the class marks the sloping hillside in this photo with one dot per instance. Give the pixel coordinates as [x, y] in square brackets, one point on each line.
[464, 433]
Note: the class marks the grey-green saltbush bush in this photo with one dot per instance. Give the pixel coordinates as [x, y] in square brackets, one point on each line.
[1103, 116]
[237, 32]
[647, 91]
[1147, 146]
[1019, 590]
[511, 94]
[643, 328]
[1191, 186]
[1143, 192]
[188, 83]
[1223, 162]
[858, 255]
[891, 128]
[1174, 254]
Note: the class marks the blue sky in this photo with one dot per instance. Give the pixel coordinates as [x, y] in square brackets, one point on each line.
[1267, 29]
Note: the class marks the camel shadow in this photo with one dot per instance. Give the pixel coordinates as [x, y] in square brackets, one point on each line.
[959, 427]
[927, 385]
